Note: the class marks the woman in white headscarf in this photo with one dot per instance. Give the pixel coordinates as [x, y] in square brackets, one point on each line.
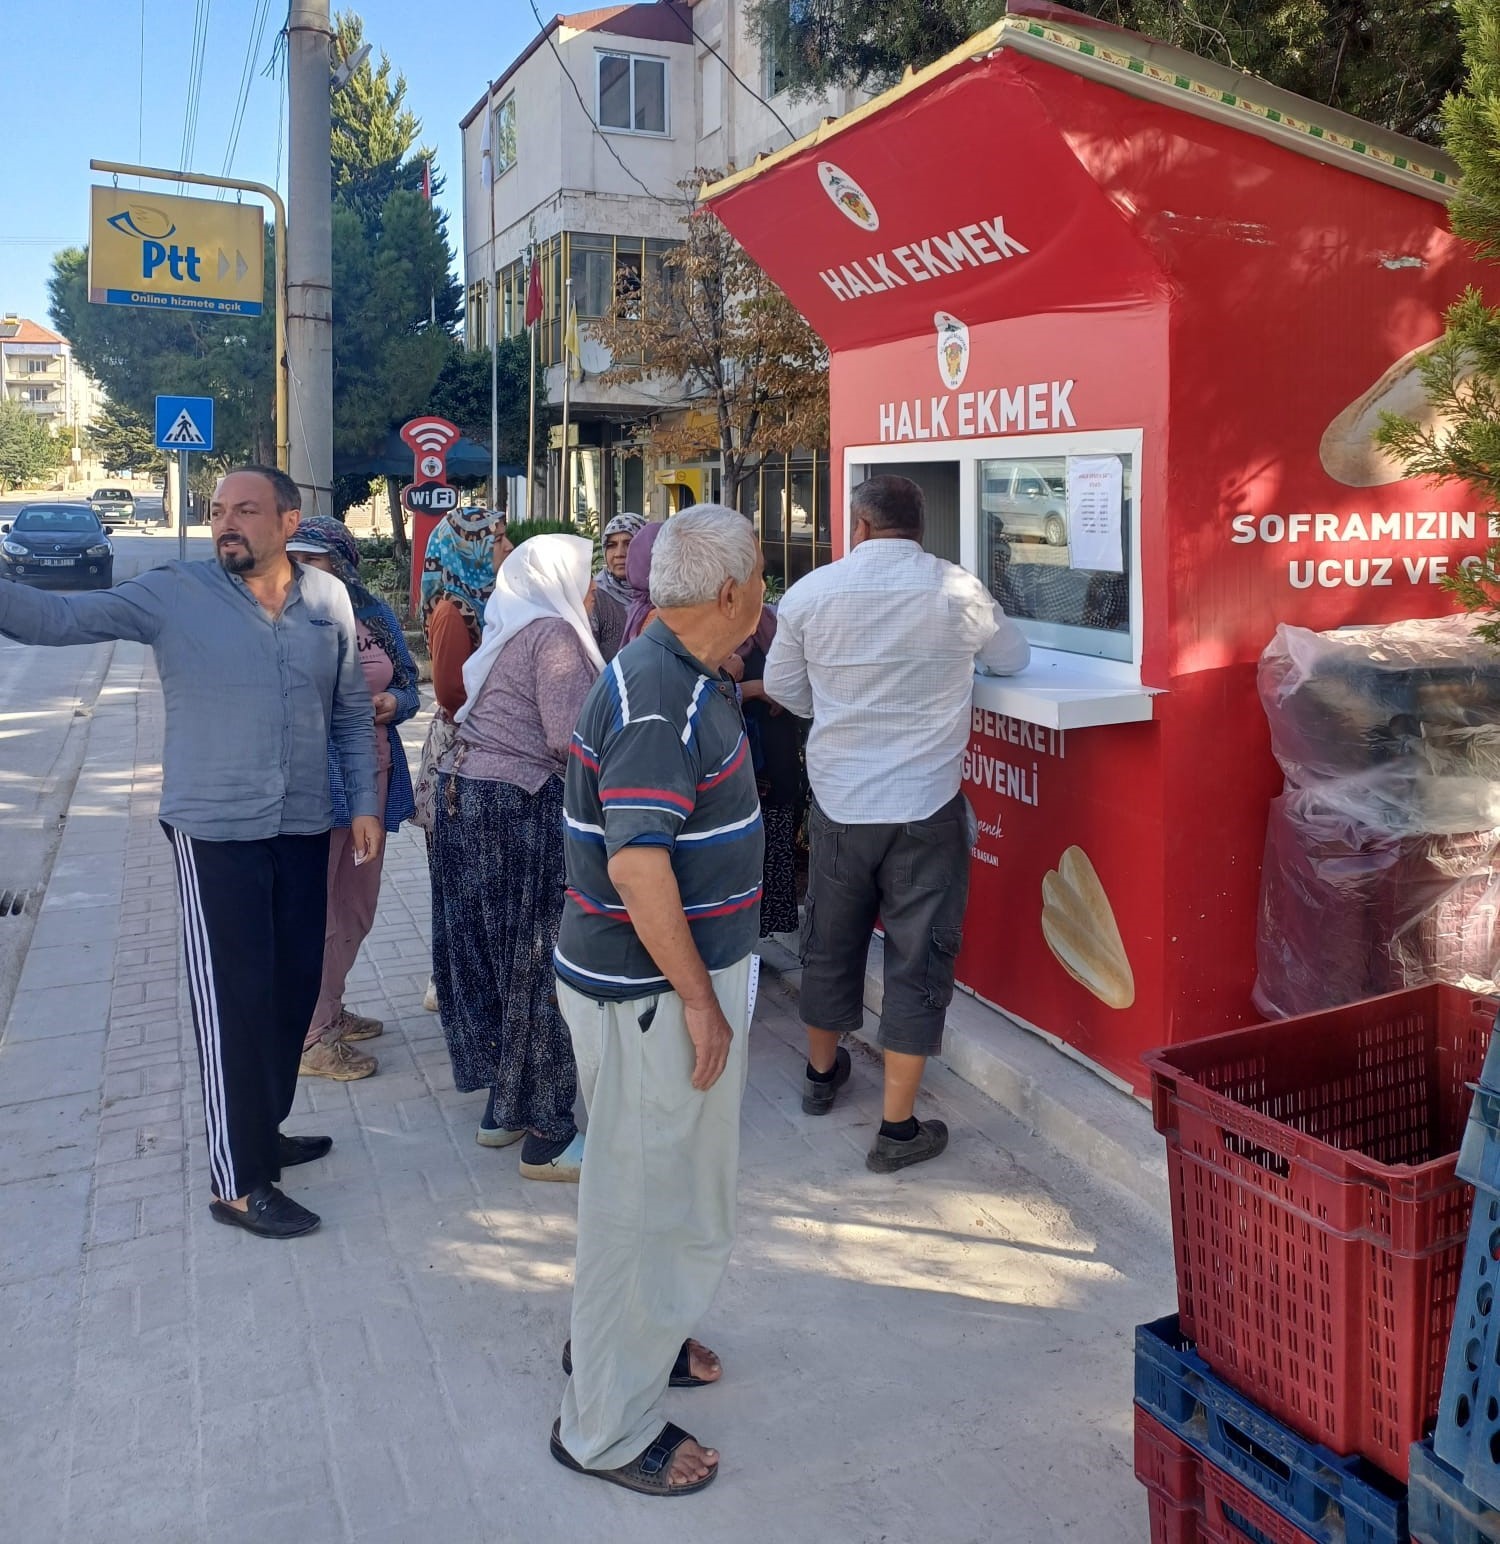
[497, 854]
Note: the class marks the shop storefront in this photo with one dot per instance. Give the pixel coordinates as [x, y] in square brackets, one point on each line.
[1129, 320]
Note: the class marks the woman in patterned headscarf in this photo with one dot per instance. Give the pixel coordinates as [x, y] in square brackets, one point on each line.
[353, 889]
[614, 594]
[458, 574]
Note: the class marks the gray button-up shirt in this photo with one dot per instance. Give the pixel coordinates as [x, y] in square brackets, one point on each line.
[252, 702]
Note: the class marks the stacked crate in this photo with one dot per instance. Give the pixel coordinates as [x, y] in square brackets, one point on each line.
[1455, 1477]
[1319, 1227]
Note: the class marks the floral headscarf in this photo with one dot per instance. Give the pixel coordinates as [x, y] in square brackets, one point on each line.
[459, 565]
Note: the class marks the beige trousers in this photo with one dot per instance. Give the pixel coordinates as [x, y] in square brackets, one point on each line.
[655, 1207]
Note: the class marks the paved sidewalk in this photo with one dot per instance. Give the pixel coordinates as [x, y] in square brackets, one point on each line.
[943, 1355]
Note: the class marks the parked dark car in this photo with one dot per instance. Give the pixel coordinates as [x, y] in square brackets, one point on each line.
[57, 544]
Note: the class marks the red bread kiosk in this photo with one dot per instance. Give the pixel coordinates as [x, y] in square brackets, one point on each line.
[1129, 319]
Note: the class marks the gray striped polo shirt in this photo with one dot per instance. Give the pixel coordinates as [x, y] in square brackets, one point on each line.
[660, 757]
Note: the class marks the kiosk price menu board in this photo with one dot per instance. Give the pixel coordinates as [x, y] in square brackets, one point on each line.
[1129, 320]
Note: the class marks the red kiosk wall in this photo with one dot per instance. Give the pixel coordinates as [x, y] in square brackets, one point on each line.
[1037, 791]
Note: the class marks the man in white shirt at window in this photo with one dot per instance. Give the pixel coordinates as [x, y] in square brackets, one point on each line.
[879, 649]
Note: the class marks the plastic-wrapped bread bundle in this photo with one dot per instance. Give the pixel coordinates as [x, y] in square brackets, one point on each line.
[1381, 856]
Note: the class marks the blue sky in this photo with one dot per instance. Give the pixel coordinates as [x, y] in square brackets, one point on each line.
[74, 69]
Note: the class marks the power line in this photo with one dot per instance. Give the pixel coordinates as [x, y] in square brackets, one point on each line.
[258, 20]
[196, 61]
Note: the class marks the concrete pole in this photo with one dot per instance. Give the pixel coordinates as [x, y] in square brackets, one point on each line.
[309, 268]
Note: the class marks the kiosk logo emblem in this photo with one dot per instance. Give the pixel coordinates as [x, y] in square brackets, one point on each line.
[952, 349]
[848, 197]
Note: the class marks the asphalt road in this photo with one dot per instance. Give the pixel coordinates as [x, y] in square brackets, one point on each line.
[46, 699]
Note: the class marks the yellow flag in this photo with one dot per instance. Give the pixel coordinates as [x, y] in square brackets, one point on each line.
[574, 358]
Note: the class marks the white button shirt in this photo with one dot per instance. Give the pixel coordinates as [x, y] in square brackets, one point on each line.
[879, 649]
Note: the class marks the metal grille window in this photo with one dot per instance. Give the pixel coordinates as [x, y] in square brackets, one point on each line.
[632, 93]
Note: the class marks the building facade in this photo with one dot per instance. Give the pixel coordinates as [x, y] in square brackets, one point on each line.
[594, 132]
[37, 370]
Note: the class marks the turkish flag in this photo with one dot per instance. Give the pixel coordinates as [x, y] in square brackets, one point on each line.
[534, 293]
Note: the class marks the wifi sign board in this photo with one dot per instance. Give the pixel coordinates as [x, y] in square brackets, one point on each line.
[430, 440]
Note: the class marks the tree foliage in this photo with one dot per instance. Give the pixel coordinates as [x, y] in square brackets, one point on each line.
[123, 440]
[462, 395]
[1461, 372]
[28, 449]
[742, 356]
[1389, 61]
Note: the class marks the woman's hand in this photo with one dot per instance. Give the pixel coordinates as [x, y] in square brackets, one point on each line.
[386, 708]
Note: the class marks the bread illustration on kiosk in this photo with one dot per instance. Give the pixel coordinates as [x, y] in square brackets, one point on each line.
[1080, 928]
[1348, 450]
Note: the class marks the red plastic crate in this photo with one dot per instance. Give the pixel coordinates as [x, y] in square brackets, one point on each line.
[1318, 1224]
[1192, 1500]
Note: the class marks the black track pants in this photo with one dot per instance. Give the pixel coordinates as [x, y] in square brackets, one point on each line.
[253, 919]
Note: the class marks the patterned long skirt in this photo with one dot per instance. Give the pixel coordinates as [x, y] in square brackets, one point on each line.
[778, 901]
[497, 898]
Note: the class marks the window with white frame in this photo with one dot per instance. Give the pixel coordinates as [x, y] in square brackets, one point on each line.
[503, 135]
[1050, 523]
[633, 93]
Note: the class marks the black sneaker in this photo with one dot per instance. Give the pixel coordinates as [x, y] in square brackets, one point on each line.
[817, 1098]
[270, 1214]
[890, 1153]
[295, 1150]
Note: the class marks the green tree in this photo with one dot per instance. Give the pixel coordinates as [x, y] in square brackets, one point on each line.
[375, 154]
[1391, 62]
[124, 440]
[28, 449]
[462, 395]
[1459, 436]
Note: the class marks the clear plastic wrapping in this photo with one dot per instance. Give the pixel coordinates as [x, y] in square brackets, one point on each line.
[1382, 861]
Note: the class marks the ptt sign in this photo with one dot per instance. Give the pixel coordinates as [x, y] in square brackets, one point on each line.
[180, 254]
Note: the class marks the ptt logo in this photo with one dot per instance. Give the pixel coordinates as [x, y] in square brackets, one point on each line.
[153, 230]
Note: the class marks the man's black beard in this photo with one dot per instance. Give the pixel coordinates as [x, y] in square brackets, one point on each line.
[236, 559]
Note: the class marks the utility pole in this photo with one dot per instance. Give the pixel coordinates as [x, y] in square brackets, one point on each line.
[310, 253]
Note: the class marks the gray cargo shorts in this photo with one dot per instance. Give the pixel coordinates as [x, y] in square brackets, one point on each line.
[915, 879]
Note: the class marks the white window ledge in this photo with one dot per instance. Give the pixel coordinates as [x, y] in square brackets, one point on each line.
[1063, 691]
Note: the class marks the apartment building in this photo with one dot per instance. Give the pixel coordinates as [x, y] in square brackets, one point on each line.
[592, 129]
[37, 369]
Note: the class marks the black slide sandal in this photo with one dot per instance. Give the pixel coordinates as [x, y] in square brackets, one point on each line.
[648, 1475]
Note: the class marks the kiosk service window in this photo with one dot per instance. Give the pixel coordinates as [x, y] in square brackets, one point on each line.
[1049, 523]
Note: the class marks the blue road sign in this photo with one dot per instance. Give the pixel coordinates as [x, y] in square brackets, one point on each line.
[185, 423]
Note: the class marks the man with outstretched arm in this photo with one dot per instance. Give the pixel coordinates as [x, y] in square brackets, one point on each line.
[655, 977]
[259, 667]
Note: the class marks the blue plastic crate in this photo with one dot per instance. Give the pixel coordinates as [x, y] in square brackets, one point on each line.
[1466, 1425]
[1443, 1509]
[1332, 1499]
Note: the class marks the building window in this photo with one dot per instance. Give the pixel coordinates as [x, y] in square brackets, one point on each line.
[775, 76]
[38, 393]
[633, 93]
[38, 366]
[503, 135]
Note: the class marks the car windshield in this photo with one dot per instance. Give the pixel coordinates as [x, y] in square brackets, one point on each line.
[112, 493]
[57, 518]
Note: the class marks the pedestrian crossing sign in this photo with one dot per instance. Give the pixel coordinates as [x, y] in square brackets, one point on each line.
[185, 423]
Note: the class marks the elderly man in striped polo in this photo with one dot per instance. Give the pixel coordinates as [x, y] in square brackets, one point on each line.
[655, 977]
